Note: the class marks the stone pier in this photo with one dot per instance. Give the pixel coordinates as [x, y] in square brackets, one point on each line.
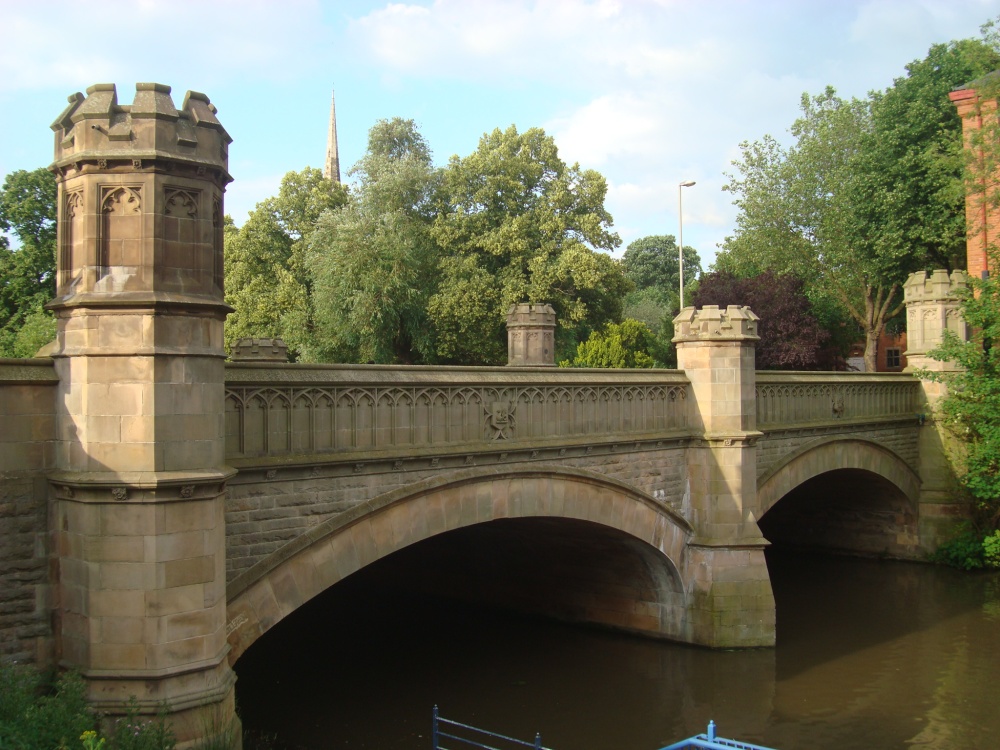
[137, 494]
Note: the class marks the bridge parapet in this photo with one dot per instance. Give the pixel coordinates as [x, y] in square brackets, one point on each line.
[811, 398]
[297, 413]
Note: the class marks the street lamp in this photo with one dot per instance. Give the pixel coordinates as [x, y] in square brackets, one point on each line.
[680, 239]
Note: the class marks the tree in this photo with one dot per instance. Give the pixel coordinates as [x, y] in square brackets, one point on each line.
[651, 264]
[267, 278]
[27, 272]
[374, 264]
[630, 343]
[517, 224]
[869, 191]
[790, 335]
[913, 183]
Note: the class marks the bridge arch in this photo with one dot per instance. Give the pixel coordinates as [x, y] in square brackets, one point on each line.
[844, 494]
[654, 535]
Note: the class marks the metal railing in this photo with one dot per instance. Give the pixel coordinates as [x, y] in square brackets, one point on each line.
[710, 742]
[465, 736]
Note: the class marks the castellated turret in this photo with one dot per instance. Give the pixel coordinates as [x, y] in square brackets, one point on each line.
[140, 196]
[139, 466]
[933, 305]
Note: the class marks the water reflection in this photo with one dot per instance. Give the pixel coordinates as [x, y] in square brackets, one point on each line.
[870, 655]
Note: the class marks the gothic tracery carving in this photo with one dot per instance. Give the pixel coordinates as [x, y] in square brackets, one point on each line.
[180, 203]
[121, 201]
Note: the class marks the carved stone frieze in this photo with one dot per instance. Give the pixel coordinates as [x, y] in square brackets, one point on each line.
[836, 397]
[329, 418]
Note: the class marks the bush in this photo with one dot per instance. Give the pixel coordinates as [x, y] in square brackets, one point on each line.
[964, 551]
[991, 550]
[970, 550]
[40, 715]
[626, 344]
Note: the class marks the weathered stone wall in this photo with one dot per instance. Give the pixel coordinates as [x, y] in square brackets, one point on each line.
[795, 409]
[312, 441]
[776, 446]
[267, 508]
[27, 440]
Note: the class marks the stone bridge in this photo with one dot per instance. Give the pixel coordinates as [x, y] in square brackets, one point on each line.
[339, 466]
[161, 509]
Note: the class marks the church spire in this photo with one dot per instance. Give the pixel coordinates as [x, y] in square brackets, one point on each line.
[332, 169]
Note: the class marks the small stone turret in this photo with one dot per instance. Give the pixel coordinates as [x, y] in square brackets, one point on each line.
[531, 335]
[714, 323]
[932, 307]
[259, 350]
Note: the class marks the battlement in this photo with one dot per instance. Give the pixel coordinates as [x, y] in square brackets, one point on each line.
[714, 323]
[140, 203]
[932, 307]
[97, 129]
[934, 287]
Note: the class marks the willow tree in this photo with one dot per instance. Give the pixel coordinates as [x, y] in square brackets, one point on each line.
[268, 281]
[373, 262]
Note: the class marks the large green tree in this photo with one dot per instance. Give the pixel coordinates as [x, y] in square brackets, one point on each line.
[869, 191]
[651, 263]
[516, 224]
[27, 270]
[373, 262]
[268, 281]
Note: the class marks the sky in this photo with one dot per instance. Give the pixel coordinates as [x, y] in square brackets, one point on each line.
[648, 92]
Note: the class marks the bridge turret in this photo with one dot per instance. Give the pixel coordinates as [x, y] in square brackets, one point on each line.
[531, 335]
[715, 348]
[141, 475]
[933, 307]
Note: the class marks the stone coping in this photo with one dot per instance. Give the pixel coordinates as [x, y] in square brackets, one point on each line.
[27, 372]
[791, 376]
[260, 373]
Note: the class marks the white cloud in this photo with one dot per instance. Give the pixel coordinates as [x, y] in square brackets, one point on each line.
[52, 44]
[555, 41]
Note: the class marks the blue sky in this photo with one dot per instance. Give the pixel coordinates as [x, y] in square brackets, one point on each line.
[648, 92]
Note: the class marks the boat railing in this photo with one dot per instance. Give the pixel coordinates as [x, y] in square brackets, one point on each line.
[460, 736]
[709, 741]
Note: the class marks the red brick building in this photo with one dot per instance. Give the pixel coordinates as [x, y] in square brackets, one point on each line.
[982, 219]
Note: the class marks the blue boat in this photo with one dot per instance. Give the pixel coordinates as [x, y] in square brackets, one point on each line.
[461, 736]
[711, 742]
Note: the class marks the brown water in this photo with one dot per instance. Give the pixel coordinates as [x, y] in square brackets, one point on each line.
[870, 655]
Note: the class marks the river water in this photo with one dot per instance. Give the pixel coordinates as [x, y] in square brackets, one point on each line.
[870, 654]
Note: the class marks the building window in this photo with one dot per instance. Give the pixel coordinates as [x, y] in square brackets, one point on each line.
[892, 358]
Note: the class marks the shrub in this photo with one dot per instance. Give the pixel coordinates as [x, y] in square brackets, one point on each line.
[39, 715]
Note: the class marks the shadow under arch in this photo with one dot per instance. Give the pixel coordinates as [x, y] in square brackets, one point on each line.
[847, 495]
[275, 587]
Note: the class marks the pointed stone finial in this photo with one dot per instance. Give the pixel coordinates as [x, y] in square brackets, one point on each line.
[331, 170]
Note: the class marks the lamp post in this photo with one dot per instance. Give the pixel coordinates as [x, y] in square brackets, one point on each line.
[680, 233]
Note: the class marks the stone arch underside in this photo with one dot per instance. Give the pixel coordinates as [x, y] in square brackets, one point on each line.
[846, 495]
[591, 506]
